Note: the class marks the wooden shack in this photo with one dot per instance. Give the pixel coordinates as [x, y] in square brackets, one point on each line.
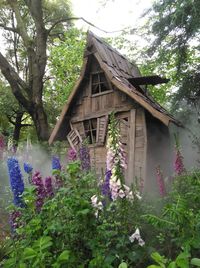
[109, 82]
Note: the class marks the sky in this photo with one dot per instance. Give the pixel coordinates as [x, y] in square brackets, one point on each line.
[113, 16]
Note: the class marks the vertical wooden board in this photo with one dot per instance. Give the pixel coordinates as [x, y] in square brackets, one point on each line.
[87, 106]
[102, 123]
[140, 146]
[109, 100]
[145, 148]
[131, 148]
[80, 127]
[117, 98]
[86, 91]
[139, 117]
[104, 101]
[98, 159]
[78, 110]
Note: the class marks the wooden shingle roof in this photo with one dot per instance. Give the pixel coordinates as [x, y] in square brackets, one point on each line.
[120, 72]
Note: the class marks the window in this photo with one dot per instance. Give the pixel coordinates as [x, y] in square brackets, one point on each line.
[95, 129]
[90, 127]
[99, 83]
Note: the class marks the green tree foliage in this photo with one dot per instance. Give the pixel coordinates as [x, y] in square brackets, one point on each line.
[174, 27]
[65, 63]
[28, 28]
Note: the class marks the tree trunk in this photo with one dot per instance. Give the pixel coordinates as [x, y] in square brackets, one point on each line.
[40, 121]
[17, 129]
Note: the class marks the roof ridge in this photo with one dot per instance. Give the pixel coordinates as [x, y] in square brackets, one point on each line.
[101, 40]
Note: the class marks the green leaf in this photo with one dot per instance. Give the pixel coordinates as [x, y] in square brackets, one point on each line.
[83, 211]
[172, 265]
[29, 253]
[64, 256]
[158, 258]
[195, 261]
[123, 265]
[44, 242]
[10, 263]
[22, 265]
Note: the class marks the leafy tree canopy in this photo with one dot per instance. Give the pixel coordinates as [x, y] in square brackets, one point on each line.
[174, 27]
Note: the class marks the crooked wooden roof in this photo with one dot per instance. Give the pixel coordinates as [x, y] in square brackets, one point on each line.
[120, 72]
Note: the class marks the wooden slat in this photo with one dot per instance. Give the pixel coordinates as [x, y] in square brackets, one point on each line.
[102, 123]
[131, 149]
[74, 138]
[145, 149]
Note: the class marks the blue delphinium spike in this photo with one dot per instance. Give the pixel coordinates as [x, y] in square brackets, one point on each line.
[56, 163]
[16, 181]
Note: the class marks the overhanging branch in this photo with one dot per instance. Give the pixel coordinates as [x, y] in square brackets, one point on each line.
[15, 81]
[8, 28]
[80, 18]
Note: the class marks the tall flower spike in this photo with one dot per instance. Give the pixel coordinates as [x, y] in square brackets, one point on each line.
[48, 186]
[84, 156]
[16, 181]
[105, 188]
[160, 182]
[40, 190]
[71, 155]
[28, 169]
[2, 146]
[178, 163]
[14, 219]
[56, 163]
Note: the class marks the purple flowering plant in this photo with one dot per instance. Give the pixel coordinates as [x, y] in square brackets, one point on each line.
[40, 190]
[71, 155]
[16, 181]
[84, 156]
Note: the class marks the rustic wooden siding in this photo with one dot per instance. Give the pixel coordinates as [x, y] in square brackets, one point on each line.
[85, 104]
[140, 145]
[98, 159]
[132, 126]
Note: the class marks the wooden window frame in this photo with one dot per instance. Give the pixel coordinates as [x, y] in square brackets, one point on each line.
[100, 83]
[100, 131]
[89, 132]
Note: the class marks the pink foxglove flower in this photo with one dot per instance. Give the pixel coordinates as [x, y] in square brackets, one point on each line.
[136, 236]
[160, 182]
[178, 163]
[98, 205]
[2, 146]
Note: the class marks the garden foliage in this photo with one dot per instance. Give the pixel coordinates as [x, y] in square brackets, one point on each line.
[74, 219]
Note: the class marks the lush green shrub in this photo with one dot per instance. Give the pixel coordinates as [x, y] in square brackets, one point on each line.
[178, 225]
[67, 232]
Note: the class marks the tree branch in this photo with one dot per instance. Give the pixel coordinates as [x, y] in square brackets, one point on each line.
[20, 24]
[80, 18]
[15, 30]
[15, 81]
[14, 123]
[36, 11]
